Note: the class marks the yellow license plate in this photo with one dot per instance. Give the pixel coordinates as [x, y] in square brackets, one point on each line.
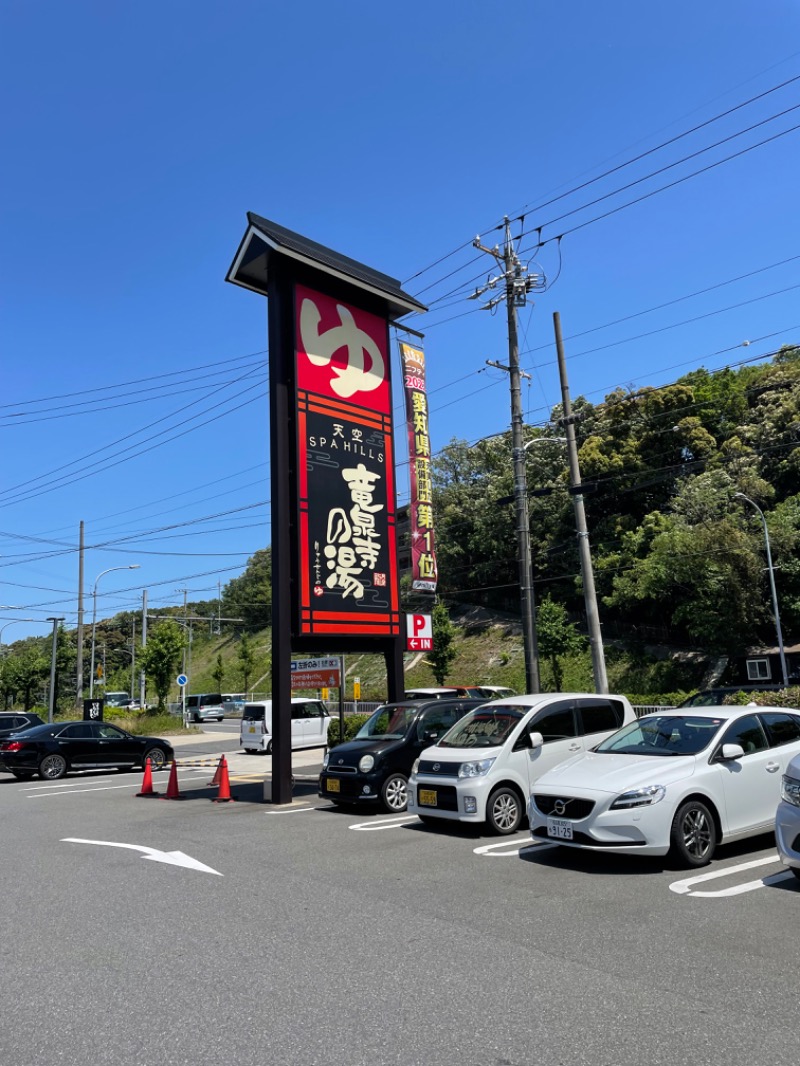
[334, 784]
[427, 797]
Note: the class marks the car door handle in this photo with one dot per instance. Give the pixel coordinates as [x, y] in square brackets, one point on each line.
[773, 767]
[574, 747]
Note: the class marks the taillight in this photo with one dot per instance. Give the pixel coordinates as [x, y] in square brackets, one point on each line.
[12, 745]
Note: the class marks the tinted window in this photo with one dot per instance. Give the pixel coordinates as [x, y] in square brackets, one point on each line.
[253, 712]
[554, 723]
[436, 720]
[599, 716]
[781, 728]
[747, 732]
[80, 730]
[108, 732]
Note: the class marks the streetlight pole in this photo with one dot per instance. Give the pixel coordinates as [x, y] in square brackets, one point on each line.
[52, 695]
[133, 566]
[12, 623]
[784, 671]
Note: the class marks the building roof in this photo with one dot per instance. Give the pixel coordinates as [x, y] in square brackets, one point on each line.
[263, 240]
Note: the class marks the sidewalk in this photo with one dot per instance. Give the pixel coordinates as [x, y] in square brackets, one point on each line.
[305, 763]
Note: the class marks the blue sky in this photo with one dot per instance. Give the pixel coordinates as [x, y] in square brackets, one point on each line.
[136, 137]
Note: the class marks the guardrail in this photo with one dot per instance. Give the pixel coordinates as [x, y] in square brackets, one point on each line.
[642, 709]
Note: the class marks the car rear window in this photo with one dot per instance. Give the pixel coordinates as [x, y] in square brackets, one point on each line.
[599, 716]
[253, 712]
[781, 728]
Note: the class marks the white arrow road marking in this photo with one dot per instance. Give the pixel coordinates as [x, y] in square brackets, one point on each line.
[514, 847]
[172, 858]
[385, 823]
[685, 887]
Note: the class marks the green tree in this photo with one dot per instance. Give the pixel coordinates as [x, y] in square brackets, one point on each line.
[557, 637]
[247, 660]
[249, 596]
[218, 673]
[444, 650]
[26, 671]
[161, 657]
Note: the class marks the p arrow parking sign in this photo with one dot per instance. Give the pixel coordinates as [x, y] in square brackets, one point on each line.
[419, 632]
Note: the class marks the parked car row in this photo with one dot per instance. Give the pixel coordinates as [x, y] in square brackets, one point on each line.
[587, 772]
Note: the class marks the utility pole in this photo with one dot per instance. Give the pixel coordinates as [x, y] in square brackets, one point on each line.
[52, 695]
[517, 286]
[584, 552]
[79, 636]
[144, 645]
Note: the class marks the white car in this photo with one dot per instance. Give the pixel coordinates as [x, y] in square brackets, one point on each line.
[310, 724]
[678, 780]
[787, 820]
[483, 768]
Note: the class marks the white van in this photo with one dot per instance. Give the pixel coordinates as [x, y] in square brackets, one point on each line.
[310, 724]
[482, 769]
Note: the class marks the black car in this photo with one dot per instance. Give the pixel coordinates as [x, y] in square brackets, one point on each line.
[53, 750]
[16, 721]
[375, 766]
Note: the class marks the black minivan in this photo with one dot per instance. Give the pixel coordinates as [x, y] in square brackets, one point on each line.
[374, 767]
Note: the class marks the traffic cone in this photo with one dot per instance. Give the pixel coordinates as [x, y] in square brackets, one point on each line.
[147, 781]
[173, 792]
[224, 795]
[214, 782]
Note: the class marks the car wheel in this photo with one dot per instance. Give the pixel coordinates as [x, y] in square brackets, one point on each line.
[52, 767]
[694, 834]
[394, 793]
[22, 775]
[504, 811]
[269, 747]
[158, 759]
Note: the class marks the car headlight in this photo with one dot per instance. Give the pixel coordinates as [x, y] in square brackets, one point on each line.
[365, 763]
[415, 767]
[790, 790]
[325, 758]
[639, 797]
[475, 769]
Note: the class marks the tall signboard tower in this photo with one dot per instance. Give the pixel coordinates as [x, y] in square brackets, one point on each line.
[335, 584]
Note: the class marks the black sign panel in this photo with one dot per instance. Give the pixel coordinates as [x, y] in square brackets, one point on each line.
[93, 710]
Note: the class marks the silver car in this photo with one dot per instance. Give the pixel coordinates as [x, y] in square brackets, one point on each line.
[787, 820]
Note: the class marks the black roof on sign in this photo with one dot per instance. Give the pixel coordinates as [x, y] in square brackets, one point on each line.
[264, 238]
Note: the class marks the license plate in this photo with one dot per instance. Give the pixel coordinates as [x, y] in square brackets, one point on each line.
[334, 784]
[251, 729]
[561, 828]
[427, 797]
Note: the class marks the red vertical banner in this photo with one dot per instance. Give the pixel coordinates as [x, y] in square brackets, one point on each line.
[423, 555]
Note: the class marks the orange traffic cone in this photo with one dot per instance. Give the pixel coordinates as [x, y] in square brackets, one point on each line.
[173, 792]
[224, 783]
[147, 781]
[214, 782]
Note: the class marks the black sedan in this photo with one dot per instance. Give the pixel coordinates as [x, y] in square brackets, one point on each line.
[16, 721]
[55, 749]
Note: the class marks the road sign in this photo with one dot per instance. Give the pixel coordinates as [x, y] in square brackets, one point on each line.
[356, 688]
[315, 673]
[419, 632]
[183, 680]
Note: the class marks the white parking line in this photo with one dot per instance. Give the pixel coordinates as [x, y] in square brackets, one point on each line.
[299, 810]
[385, 823]
[684, 887]
[513, 847]
[71, 791]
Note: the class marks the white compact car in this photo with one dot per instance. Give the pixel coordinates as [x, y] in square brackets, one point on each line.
[310, 724]
[678, 780]
[787, 820]
[483, 768]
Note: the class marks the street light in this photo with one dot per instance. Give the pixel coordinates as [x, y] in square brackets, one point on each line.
[11, 623]
[133, 566]
[741, 496]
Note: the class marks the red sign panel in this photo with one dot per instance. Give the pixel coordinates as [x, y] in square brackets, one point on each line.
[419, 632]
[423, 556]
[347, 538]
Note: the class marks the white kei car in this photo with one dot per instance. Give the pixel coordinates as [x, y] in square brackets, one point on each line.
[787, 820]
[678, 780]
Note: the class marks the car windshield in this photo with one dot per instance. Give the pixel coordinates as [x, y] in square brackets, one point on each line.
[388, 723]
[483, 728]
[664, 735]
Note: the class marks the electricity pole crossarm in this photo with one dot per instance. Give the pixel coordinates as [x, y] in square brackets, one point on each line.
[584, 551]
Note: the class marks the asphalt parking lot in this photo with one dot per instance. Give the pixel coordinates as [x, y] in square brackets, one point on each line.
[314, 935]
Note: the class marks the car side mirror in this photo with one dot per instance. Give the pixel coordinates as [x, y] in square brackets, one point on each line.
[430, 734]
[731, 751]
[537, 740]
